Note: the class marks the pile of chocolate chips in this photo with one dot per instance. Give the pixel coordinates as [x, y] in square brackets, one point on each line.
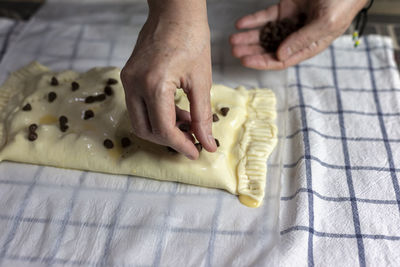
[274, 32]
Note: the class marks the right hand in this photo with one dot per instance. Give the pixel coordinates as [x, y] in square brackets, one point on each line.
[172, 51]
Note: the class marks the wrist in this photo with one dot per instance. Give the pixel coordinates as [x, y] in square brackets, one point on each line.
[186, 11]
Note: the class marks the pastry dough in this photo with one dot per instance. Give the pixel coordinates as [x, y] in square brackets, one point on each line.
[247, 134]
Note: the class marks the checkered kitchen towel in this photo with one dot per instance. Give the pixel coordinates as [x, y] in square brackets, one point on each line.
[340, 202]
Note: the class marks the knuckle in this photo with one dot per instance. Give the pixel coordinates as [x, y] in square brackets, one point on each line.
[125, 74]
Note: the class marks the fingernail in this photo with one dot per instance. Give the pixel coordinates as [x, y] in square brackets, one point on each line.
[190, 157]
[211, 139]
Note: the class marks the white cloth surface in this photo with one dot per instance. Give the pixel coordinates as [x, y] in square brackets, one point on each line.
[51, 216]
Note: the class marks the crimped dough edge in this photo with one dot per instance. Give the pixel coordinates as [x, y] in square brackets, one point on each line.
[257, 143]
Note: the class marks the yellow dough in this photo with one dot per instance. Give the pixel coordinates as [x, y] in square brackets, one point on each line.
[247, 134]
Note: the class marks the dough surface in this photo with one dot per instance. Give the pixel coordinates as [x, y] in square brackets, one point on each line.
[247, 134]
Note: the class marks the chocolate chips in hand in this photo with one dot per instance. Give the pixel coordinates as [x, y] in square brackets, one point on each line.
[27, 107]
[274, 32]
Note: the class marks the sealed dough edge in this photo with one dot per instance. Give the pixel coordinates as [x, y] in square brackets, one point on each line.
[238, 166]
[258, 141]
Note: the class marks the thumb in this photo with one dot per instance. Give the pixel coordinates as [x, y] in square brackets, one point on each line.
[305, 37]
[200, 112]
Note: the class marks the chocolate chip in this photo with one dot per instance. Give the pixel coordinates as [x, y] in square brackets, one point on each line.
[170, 149]
[215, 117]
[54, 81]
[63, 123]
[27, 107]
[100, 97]
[51, 96]
[198, 146]
[32, 136]
[184, 127]
[64, 127]
[90, 99]
[108, 90]
[108, 143]
[88, 114]
[125, 142]
[112, 81]
[217, 142]
[32, 128]
[74, 86]
[62, 119]
[97, 98]
[224, 111]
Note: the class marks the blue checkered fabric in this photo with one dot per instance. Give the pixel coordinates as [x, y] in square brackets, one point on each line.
[340, 202]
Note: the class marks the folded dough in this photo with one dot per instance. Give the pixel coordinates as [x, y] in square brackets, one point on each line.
[247, 134]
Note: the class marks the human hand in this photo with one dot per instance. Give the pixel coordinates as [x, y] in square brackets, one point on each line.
[172, 51]
[326, 20]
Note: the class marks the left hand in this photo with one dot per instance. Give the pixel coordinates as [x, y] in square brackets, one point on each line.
[326, 20]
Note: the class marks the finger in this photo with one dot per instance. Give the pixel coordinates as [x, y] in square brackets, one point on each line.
[162, 117]
[262, 62]
[138, 116]
[242, 38]
[308, 52]
[182, 115]
[305, 37]
[259, 18]
[246, 50]
[200, 112]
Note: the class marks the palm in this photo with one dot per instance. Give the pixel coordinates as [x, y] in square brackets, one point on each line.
[300, 45]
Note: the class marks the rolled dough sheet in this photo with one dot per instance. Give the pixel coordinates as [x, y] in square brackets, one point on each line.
[247, 133]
